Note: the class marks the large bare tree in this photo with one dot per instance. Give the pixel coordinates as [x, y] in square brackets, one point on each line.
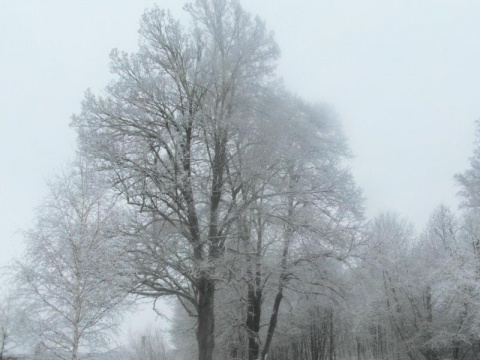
[165, 132]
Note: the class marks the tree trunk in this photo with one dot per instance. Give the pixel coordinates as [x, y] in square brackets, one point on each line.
[254, 299]
[254, 295]
[206, 320]
[359, 350]
[273, 323]
[429, 354]
[397, 328]
[457, 345]
[76, 323]
[283, 278]
[2, 345]
[331, 354]
[206, 286]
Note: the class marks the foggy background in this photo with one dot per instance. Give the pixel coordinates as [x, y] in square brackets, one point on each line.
[402, 77]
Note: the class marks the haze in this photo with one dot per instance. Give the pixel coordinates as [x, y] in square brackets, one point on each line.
[402, 77]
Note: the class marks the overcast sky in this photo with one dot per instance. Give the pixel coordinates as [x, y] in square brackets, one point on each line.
[403, 77]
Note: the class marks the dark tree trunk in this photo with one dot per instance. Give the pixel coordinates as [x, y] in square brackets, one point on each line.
[457, 345]
[2, 345]
[282, 281]
[359, 350]
[254, 299]
[206, 319]
[331, 355]
[273, 323]
[430, 355]
[206, 285]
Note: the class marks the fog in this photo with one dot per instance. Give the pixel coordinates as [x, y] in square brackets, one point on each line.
[402, 78]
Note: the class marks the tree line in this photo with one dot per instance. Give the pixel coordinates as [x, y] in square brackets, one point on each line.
[200, 178]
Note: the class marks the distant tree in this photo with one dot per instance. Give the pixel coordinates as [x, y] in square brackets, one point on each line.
[148, 344]
[182, 334]
[469, 180]
[13, 317]
[416, 297]
[385, 300]
[74, 273]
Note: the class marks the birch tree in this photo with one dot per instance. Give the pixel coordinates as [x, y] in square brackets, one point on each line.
[74, 274]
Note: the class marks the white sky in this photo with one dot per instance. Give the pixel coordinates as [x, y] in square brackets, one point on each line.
[403, 77]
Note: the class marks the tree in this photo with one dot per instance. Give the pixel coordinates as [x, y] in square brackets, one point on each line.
[469, 180]
[166, 133]
[384, 307]
[13, 316]
[325, 220]
[148, 344]
[74, 273]
[470, 193]
[319, 205]
[307, 209]
[416, 296]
